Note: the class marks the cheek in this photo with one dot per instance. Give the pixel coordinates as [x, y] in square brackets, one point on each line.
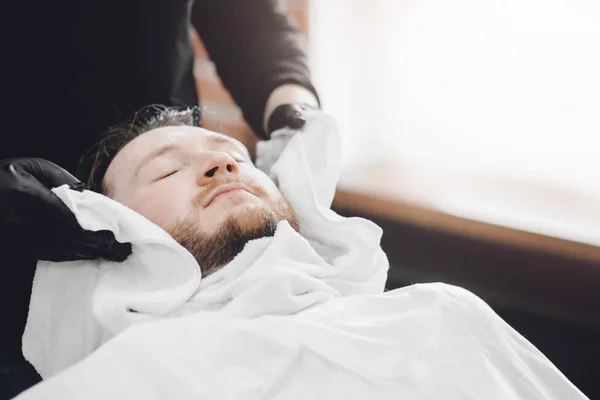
[161, 205]
[261, 179]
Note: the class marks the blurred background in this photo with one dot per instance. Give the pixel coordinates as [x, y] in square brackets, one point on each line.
[483, 110]
[471, 135]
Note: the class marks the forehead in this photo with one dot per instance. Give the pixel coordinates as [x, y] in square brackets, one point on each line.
[184, 138]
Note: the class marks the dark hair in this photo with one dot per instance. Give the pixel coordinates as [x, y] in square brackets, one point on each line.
[95, 161]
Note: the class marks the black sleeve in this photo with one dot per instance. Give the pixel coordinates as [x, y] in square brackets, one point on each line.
[16, 279]
[256, 47]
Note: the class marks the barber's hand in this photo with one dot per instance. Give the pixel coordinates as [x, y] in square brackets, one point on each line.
[292, 116]
[285, 121]
[36, 224]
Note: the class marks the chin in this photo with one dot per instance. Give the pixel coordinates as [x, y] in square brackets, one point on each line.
[247, 214]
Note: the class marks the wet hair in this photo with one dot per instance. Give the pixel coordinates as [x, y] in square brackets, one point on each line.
[95, 161]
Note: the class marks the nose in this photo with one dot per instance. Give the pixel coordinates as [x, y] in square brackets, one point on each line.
[218, 166]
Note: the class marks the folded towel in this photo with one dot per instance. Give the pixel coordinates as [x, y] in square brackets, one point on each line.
[77, 306]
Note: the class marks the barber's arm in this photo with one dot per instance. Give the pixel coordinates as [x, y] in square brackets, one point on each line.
[36, 224]
[260, 55]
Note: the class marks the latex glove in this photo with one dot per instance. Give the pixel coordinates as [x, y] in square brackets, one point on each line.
[292, 116]
[285, 121]
[36, 224]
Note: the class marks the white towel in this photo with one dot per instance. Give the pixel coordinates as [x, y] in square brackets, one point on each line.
[76, 307]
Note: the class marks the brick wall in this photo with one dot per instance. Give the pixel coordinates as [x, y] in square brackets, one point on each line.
[220, 113]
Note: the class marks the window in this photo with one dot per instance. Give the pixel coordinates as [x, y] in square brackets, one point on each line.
[485, 109]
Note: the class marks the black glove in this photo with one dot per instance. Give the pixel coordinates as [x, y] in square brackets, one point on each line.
[292, 115]
[36, 224]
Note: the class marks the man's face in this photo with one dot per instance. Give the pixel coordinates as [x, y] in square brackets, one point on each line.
[201, 187]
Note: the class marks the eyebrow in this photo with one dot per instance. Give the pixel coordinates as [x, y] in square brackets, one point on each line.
[174, 147]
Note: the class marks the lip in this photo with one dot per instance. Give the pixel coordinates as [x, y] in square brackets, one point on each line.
[222, 189]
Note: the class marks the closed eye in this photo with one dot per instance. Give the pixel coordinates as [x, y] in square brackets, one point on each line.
[167, 175]
[239, 158]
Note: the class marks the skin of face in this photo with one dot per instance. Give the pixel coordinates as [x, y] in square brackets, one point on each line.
[172, 174]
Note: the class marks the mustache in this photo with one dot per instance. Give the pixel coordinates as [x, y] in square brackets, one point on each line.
[202, 197]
